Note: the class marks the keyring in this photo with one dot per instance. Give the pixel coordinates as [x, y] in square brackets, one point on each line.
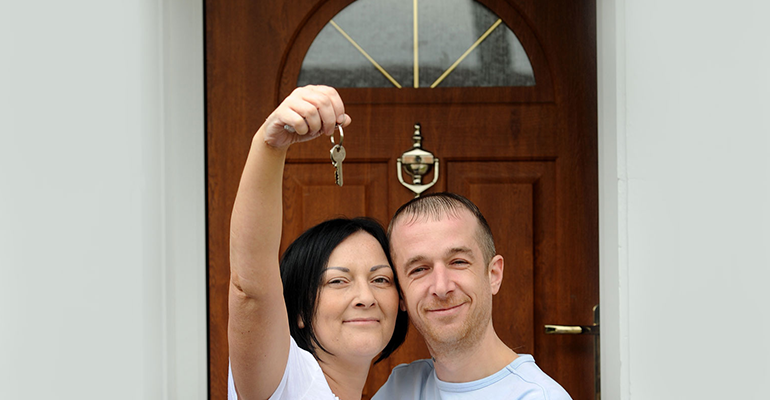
[342, 135]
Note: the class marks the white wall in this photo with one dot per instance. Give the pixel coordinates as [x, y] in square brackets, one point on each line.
[685, 179]
[102, 268]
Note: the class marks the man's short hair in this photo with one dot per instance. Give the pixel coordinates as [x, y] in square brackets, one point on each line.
[438, 205]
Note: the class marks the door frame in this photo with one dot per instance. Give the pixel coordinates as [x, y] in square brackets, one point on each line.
[613, 200]
[183, 41]
[182, 148]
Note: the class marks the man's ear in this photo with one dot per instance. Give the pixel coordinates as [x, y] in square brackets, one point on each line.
[496, 267]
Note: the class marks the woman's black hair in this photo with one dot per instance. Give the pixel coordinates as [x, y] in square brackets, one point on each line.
[302, 267]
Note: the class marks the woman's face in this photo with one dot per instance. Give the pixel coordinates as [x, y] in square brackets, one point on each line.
[358, 300]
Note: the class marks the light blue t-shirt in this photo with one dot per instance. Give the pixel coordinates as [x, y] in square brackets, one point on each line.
[522, 379]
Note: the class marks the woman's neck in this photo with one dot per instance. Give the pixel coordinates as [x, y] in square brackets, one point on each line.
[346, 378]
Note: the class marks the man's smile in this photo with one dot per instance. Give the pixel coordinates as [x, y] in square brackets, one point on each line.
[445, 310]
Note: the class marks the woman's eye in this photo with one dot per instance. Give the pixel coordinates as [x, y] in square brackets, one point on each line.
[336, 281]
[381, 280]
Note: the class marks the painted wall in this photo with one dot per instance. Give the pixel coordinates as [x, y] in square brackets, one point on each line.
[686, 153]
[102, 235]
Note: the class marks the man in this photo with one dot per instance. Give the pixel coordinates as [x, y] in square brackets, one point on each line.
[444, 256]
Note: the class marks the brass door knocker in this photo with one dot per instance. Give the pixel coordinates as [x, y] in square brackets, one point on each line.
[417, 162]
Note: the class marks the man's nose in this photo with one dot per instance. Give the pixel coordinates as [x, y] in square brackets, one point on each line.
[443, 284]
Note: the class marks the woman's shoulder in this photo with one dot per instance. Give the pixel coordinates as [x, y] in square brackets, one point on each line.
[302, 379]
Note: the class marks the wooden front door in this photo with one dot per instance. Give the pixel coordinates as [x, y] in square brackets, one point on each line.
[527, 155]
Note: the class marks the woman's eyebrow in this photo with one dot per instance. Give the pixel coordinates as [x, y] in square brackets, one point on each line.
[376, 267]
[343, 269]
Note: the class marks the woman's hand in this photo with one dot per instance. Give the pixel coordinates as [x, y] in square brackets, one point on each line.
[310, 111]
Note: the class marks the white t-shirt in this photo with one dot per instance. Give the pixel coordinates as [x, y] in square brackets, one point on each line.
[522, 379]
[302, 379]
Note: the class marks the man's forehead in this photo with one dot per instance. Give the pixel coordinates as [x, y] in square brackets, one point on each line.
[414, 219]
[405, 227]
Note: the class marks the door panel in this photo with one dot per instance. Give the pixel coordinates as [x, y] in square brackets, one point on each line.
[517, 199]
[311, 196]
[527, 156]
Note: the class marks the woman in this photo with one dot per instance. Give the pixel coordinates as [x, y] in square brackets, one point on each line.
[340, 302]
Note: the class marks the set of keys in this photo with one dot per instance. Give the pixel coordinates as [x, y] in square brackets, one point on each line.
[337, 153]
[338, 156]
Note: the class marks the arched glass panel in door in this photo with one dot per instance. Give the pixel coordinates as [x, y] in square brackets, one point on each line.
[416, 43]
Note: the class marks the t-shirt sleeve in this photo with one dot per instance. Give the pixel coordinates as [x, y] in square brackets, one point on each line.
[301, 375]
[543, 387]
[233, 395]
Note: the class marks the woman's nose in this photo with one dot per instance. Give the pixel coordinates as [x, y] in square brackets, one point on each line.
[364, 296]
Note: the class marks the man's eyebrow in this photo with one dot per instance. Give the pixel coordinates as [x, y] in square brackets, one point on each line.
[461, 249]
[414, 260]
[449, 253]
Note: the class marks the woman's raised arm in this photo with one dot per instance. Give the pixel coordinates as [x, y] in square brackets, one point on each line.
[258, 330]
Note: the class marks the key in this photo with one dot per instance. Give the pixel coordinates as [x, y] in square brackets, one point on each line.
[338, 156]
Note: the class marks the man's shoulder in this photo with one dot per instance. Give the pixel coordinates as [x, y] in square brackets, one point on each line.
[526, 370]
[407, 380]
[424, 365]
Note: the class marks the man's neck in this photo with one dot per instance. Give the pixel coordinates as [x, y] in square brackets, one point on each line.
[475, 361]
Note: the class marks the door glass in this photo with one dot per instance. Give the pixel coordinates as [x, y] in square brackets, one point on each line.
[459, 43]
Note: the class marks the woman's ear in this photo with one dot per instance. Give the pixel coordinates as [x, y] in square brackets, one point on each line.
[300, 322]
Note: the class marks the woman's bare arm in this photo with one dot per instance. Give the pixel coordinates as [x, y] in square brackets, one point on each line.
[258, 329]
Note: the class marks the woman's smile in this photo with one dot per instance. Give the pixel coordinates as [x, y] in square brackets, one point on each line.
[362, 321]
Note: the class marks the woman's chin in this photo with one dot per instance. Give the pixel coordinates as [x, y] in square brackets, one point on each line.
[363, 348]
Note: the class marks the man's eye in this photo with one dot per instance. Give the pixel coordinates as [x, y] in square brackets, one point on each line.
[417, 270]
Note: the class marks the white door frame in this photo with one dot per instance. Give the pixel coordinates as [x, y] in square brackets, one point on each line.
[184, 155]
[613, 211]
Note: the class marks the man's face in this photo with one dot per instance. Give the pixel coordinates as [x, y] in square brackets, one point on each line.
[446, 284]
